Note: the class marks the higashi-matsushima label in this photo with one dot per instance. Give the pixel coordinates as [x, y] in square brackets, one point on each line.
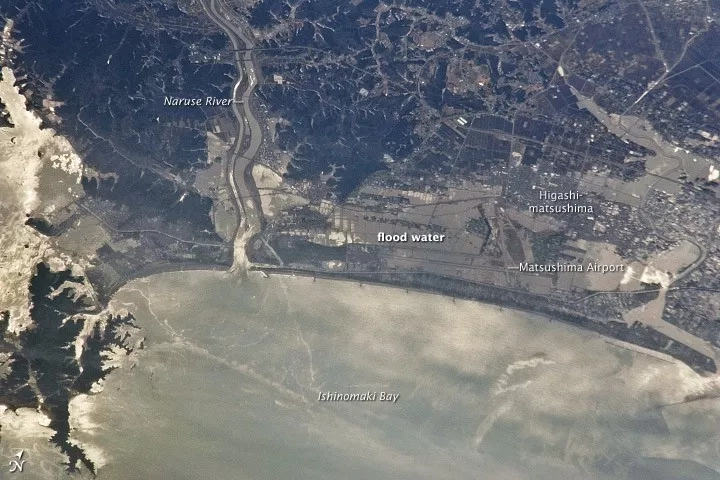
[553, 203]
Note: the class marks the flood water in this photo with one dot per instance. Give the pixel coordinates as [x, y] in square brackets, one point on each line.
[228, 386]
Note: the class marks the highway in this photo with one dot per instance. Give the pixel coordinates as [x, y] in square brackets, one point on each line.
[238, 167]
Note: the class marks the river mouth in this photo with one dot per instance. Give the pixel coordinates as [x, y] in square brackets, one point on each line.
[231, 385]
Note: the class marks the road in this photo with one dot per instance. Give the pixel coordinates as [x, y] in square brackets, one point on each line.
[238, 167]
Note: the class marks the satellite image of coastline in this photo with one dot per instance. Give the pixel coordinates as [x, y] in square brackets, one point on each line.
[362, 239]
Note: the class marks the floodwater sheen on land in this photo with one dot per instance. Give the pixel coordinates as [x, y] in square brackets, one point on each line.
[230, 380]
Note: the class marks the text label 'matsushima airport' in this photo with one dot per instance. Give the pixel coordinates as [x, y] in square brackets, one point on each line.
[570, 267]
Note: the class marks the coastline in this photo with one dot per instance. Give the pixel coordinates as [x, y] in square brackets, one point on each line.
[645, 338]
